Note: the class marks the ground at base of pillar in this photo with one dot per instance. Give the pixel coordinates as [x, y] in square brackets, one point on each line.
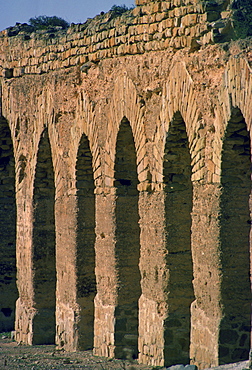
[46, 357]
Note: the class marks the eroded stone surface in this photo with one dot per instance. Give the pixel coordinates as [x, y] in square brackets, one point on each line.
[132, 179]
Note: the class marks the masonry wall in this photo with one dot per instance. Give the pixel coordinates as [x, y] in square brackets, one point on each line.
[147, 158]
[151, 25]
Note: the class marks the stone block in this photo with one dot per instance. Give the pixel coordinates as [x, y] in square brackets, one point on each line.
[191, 367]
[177, 367]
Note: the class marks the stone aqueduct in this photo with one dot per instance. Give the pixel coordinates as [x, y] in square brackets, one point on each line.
[125, 181]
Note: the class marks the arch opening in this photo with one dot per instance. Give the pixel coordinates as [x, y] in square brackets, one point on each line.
[8, 288]
[235, 228]
[85, 259]
[127, 245]
[178, 206]
[44, 263]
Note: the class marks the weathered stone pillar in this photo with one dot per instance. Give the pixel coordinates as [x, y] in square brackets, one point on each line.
[106, 297]
[166, 271]
[25, 310]
[206, 309]
[35, 319]
[67, 310]
[153, 308]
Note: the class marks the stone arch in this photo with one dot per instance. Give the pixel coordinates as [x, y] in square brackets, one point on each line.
[85, 257]
[8, 289]
[44, 260]
[234, 158]
[235, 228]
[88, 124]
[232, 96]
[179, 96]
[127, 248]
[78, 176]
[236, 94]
[125, 102]
[126, 125]
[177, 173]
[180, 113]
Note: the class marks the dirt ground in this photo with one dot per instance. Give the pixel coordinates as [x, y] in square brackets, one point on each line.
[46, 357]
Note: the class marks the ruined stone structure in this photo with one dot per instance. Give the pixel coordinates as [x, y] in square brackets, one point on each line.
[125, 167]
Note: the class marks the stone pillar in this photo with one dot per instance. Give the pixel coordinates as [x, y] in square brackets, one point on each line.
[206, 309]
[105, 300]
[75, 256]
[166, 271]
[35, 319]
[25, 310]
[67, 310]
[153, 308]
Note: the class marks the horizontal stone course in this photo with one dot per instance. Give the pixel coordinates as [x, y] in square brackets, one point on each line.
[164, 22]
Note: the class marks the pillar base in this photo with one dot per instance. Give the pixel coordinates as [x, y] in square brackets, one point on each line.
[151, 332]
[104, 329]
[204, 338]
[24, 323]
[66, 327]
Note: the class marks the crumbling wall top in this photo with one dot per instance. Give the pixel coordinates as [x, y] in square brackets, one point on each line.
[150, 26]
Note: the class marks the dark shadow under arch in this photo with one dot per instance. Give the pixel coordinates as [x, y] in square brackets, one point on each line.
[178, 206]
[85, 261]
[127, 244]
[235, 225]
[8, 289]
[44, 263]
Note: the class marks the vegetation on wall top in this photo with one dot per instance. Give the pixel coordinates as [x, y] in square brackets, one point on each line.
[242, 17]
[118, 10]
[44, 22]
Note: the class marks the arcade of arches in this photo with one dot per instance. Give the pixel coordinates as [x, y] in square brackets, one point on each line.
[126, 207]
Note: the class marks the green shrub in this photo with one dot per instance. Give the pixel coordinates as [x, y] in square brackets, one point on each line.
[44, 22]
[242, 18]
[119, 9]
